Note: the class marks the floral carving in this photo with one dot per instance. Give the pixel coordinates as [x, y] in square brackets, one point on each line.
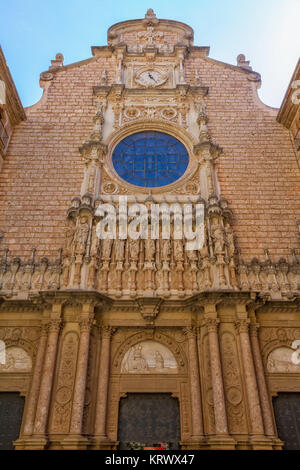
[232, 384]
[65, 382]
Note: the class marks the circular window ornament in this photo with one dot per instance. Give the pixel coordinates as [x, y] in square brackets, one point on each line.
[150, 159]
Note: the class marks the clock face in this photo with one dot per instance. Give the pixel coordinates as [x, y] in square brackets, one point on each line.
[150, 78]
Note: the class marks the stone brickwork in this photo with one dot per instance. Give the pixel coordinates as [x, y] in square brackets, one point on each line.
[257, 170]
[117, 316]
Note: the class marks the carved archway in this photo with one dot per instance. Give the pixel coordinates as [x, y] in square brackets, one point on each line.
[24, 344]
[280, 360]
[16, 360]
[177, 384]
[157, 337]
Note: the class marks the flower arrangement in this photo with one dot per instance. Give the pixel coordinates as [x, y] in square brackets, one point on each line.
[132, 445]
[135, 445]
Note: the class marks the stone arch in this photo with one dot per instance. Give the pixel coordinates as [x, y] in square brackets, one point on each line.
[29, 347]
[280, 360]
[156, 337]
[17, 359]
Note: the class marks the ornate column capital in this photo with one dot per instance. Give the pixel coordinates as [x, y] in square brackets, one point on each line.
[107, 331]
[86, 324]
[212, 324]
[254, 327]
[54, 325]
[242, 326]
[190, 332]
[44, 329]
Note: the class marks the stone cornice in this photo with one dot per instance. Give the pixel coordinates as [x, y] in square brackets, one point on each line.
[288, 109]
[106, 91]
[282, 306]
[252, 75]
[72, 296]
[195, 304]
[228, 297]
[14, 105]
[19, 306]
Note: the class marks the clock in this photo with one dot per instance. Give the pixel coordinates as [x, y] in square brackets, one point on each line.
[150, 78]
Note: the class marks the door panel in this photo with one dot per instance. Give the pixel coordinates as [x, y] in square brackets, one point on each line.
[149, 418]
[11, 412]
[287, 415]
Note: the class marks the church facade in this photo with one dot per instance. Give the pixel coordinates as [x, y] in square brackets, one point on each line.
[113, 340]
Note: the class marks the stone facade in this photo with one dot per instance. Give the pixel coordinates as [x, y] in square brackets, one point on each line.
[289, 113]
[11, 109]
[92, 320]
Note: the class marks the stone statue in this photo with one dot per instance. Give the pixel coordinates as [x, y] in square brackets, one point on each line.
[134, 249]
[69, 237]
[120, 245]
[165, 250]
[149, 249]
[138, 361]
[81, 236]
[218, 238]
[106, 248]
[178, 250]
[159, 360]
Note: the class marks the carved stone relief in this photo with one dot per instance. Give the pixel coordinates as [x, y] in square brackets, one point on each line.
[272, 338]
[280, 361]
[207, 387]
[90, 384]
[16, 360]
[149, 357]
[61, 413]
[232, 384]
[149, 350]
[25, 338]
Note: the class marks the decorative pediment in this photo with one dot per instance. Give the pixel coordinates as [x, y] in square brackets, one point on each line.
[150, 33]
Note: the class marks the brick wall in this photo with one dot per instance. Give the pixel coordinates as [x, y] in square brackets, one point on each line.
[257, 171]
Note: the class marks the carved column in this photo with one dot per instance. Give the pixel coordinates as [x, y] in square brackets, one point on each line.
[194, 375]
[256, 420]
[81, 375]
[35, 384]
[217, 377]
[47, 378]
[262, 386]
[103, 379]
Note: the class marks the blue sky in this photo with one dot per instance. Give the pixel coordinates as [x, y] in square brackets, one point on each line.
[266, 31]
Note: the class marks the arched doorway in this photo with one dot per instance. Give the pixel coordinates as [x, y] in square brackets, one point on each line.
[149, 391]
[149, 418]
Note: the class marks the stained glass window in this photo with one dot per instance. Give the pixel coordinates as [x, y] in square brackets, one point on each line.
[150, 159]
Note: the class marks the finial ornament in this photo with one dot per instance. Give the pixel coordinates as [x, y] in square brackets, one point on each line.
[150, 14]
[150, 18]
[242, 62]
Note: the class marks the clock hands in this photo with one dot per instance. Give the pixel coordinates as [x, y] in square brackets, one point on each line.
[151, 76]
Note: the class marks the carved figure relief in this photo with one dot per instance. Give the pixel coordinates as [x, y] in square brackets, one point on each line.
[149, 357]
[280, 361]
[16, 360]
